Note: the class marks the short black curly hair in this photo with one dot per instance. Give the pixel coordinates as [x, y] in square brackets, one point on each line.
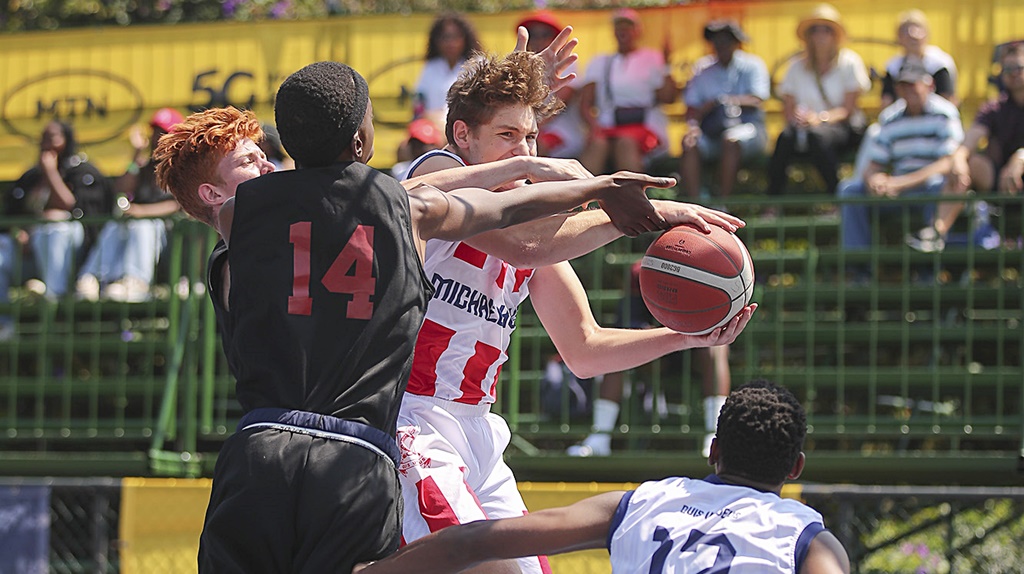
[761, 431]
[318, 110]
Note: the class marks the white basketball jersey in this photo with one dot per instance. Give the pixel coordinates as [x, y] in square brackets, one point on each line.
[469, 322]
[684, 525]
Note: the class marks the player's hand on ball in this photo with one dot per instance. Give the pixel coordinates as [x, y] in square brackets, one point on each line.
[678, 213]
[726, 334]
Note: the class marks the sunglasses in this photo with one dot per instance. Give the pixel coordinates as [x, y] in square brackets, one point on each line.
[816, 28]
[1014, 69]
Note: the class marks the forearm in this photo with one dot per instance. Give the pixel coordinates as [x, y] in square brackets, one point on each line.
[609, 350]
[549, 240]
[488, 175]
[61, 196]
[158, 209]
[466, 212]
[921, 176]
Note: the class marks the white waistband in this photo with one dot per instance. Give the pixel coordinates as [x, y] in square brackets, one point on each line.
[457, 409]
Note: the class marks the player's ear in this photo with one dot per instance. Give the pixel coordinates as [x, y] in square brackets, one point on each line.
[358, 145]
[460, 133]
[211, 194]
[713, 454]
[798, 467]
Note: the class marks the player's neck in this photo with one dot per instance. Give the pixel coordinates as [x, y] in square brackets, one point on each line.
[744, 481]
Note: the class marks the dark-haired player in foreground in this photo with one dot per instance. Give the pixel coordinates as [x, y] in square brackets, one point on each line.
[734, 520]
[328, 295]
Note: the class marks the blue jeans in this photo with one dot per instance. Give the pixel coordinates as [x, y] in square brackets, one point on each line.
[126, 248]
[855, 224]
[55, 246]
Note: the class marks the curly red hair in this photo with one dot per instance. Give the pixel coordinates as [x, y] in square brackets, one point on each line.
[187, 157]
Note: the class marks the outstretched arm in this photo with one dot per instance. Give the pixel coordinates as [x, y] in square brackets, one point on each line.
[589, 349]
[552, 531]
[466, 212]
[566, 236]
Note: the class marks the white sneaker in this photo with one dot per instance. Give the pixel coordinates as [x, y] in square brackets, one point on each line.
[596, 444]
[127, 290]
[706, 449]
[88, 288]
[927, 240]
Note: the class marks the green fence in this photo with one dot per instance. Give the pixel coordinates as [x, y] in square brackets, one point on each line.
[911, 374]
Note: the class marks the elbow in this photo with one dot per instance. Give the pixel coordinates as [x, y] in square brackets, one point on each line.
[579, 366]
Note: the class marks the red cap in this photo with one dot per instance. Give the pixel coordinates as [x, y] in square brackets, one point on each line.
[166, 119]
[425, 131]
[543, 17]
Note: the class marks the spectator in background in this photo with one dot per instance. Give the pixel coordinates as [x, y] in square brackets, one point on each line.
[423, 136]
[912, 36]
[61, 188]
[713, 362]
[819, 95]
[271, 146]
[452, 40]
[911, 156]
[1000, 166]
[564, 134]
[724, 108]
[620, 101]
[123, 261]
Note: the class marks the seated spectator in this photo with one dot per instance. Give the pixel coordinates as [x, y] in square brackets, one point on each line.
[271, 146]
[123, 262]
[912, 36]
[423, 136]
[911, 156]
[1000, 166]
[620, 101]
[564, 134]
[819, 96]
[61, 189]
[724, 109]
[452, 41]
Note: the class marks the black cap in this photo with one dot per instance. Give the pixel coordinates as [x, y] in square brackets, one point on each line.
[731, 26]
[912, 72]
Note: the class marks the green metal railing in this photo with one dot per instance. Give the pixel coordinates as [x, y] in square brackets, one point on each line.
[920, 365]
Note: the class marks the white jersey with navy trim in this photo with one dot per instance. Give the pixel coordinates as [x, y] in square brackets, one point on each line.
[685, 525]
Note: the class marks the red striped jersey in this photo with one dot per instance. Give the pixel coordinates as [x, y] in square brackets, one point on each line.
[469, 321]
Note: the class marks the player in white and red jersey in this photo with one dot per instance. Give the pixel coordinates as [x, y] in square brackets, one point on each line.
[732, 521]
[452, 467]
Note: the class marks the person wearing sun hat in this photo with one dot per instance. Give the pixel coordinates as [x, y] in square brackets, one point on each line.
[621, 101]
[564, 134]
[819, 95]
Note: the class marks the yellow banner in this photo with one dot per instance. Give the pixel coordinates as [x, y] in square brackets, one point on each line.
[103, 80]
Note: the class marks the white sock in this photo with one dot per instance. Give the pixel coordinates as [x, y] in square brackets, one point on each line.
[712, 406]
[606, 413]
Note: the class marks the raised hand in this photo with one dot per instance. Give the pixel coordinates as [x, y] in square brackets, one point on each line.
[678, 213]
[626, 203]
[558, 56]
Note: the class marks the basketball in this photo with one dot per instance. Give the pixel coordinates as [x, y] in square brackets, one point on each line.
[693, 282]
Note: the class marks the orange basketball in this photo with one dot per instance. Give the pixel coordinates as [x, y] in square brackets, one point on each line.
[694, 282]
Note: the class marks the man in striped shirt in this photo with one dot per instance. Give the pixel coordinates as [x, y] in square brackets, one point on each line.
[912, 156]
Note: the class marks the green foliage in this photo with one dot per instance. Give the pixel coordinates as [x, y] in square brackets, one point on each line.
[21, 15]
